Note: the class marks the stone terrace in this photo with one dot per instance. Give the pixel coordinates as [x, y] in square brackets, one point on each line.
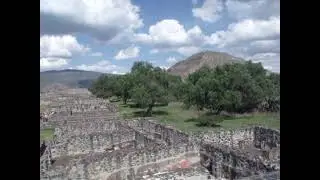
[92, 142]
[253, 153]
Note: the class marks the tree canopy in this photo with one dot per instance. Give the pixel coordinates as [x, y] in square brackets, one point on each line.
[237, 88]
[232, 88]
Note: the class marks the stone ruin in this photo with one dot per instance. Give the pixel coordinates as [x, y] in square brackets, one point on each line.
[252, 153]
[91, 141]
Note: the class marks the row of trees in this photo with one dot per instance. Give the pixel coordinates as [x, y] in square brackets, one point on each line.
[233, 88]
[145, 85]
[236, 88]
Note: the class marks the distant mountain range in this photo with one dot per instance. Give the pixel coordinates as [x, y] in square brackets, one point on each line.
[69, 77]
[79, 78]
[196, 61]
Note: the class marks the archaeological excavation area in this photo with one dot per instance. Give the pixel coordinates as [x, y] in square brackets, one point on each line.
[91, 141]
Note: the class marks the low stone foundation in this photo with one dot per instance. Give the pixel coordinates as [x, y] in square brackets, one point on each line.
[91, 141]
[258, 152]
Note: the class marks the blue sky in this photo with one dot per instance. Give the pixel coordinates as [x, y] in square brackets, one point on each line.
[109, 35]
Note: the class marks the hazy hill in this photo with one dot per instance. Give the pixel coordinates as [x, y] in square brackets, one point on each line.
[71, 78]
[196, 61]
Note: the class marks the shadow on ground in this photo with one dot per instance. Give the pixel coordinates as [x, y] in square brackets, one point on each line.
[132, 105]
[205, 121]
[143, 113]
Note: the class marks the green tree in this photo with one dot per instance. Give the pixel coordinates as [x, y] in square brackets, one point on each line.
[194, 92]
[272, 89]
[202, 72]
[126, 84]
[150, 86]
[232, 87]
[175, 87]
[101, 87]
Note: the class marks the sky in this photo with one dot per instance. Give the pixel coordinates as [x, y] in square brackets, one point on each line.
[110, 35]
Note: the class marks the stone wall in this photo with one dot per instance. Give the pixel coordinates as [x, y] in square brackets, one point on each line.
[43, 148]
[240, 154]
[151, 167]
[92, 142]
[164, 133]
[87, 127]
[68, 101]
[98, 165]
[84, 144]
[266, 176]
[265, 138]
[76, 116]
[45, 157]
[231, 164]
[240, 138]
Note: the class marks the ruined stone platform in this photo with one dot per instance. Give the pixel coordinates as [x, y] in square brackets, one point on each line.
[256, 153]
[91, 141]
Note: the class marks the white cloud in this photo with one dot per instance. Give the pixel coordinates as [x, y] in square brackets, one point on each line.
[247, 30]
[244, 38]
[258, 9]
[143, 38]
[170, 35]
[164, 67]
[171, 60]
[254, 34]
[184, 50]
[97, 54]
[169, 32]
[264, 46]
[166, 32]
[103, 19]
[265, 43]
[60, 46]
[130, 52]
[57, 51]
[52, 63]
[270, 61]
[209, 11]
[254, 47]
[103, 66]
[263, 56]
[196, 36]
[188, 50]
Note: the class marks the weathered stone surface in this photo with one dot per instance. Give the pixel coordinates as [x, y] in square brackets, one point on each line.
[91, 141]
[242, 153]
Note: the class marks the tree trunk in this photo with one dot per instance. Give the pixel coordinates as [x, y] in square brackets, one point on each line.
[199, 110]
[149, 110]
[124, 101]
[218, 111]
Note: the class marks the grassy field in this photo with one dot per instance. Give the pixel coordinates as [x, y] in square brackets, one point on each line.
[46, 134]
[174, 114]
